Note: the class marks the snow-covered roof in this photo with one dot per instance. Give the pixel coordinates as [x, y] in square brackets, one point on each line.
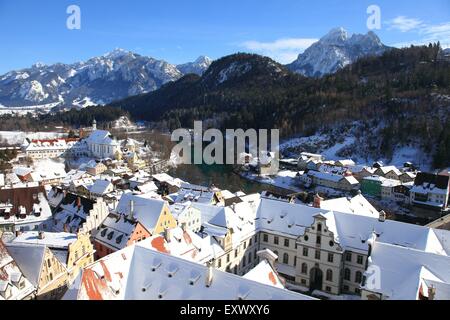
[115, 231]
[182, 243]
[405, 272]
[29, 258]
[390, 183]
[264, 273]
[146, 210]
[101, 137]
[388, 169]
[22, 171]
[10, 275]
[100, 187]
[139, 273]
[355, 205]
[59, 240]
[328, 176]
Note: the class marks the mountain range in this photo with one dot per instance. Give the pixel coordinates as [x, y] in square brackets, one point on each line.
[336, 50]
[120, 74]
[99, 80]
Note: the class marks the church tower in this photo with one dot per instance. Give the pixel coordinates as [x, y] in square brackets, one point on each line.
[94, 125]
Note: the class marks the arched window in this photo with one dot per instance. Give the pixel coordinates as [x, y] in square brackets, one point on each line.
[304, 268]
[329, 275]
[285, 258]
[319, 227]
[347, 274]
[358, 277]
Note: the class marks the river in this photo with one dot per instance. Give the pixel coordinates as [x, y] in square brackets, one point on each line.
[222, 176]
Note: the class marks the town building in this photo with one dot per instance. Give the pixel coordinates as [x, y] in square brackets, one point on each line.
[24, 208]
[48, 149]
[185, 213]
[153, 213]
[76, 213]
[371, 186]
[42, 268]
[117, 232]
[95, 168]
[73, 251]
[139, 273]
[388, 172]
[100, 188]
[430, 195]
[14, 285]
[102, 145]
[334, 181]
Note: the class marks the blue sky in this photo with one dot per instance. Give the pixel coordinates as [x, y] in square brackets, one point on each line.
[180, 31]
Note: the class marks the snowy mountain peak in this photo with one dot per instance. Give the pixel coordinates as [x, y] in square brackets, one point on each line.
[335, 36]
[199, 66]
[335, 50]
[204, 60]
[117, 53]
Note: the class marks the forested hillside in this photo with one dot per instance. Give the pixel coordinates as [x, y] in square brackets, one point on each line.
[400, 97]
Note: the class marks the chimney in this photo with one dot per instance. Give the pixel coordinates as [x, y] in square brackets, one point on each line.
[131, 214]
[209, 274]
[167, 234]
[317, 201]
[382, 216]
[268, 255]
[431, 292]
[41, 235]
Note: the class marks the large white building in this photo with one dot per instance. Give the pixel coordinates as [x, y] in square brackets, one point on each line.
[102, 145]
[318, 249]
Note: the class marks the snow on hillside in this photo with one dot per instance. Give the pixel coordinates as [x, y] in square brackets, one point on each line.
[335, 149]
[17, 137]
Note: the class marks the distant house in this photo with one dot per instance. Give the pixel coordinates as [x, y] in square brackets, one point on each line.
[407, 176]
[334, 181]
[430, 194]
[371, 185]
[117, 232]
[388, 172]
[360, 172]
[95, 168]
[48, 149]
[345, 163]
[387, 189]
[49, 176]
[401, 192]
[100, 188]
[196, 193]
